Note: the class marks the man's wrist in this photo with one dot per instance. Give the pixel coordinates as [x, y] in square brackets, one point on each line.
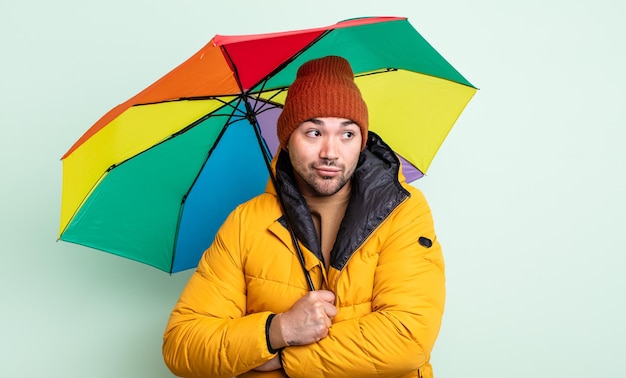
[275, 336]
[268, 337]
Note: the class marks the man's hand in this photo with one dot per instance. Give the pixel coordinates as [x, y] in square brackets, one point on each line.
[306, 322]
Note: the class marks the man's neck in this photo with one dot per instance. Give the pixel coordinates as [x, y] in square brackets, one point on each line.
[327, 213]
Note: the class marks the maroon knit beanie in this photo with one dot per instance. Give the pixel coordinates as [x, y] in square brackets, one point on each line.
[323, 87]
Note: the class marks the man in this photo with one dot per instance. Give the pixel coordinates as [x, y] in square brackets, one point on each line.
[369, 248]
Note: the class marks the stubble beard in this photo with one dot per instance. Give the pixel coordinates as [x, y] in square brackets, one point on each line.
[324, 185]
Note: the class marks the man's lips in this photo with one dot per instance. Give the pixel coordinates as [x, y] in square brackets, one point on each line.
[327, 171]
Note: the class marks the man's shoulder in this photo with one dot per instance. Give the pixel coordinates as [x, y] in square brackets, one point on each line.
[416, 197]
[415, 193]
[264, 204]
[263, 199]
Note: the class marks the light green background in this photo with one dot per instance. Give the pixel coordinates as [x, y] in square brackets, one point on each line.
[527, 192]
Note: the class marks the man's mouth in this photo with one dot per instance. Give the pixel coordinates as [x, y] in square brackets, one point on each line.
[326, 171]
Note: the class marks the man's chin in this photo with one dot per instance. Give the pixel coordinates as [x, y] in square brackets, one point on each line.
[328, 186]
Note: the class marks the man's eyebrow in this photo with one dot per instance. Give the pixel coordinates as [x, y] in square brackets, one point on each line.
[319, 122]
[348, 123]
[314, 120]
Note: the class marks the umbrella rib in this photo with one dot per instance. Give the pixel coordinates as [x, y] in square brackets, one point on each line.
[251, 116]
[184, 130]
[82, 201]
[233, 66]
[255, 94]
[115, 165]
[217, 140]
[208, 156]
[194, 98]
[289, 60]
[262, 105]
[289, 221]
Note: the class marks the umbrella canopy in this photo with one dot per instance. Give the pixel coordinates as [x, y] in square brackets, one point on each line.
[155, 177]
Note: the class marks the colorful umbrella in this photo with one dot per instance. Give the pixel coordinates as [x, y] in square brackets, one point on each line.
[155, 177]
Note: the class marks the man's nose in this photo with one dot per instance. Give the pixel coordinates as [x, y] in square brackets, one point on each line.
[329, 148]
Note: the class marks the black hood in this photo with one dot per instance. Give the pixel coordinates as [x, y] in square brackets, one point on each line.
[376, 192]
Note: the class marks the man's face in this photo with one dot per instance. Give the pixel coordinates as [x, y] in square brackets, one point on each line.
[324, 153]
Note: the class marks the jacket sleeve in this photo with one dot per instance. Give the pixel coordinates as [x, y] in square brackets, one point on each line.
[407, 307]
[207, 334]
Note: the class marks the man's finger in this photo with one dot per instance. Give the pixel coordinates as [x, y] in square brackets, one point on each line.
[330, 311]
[325, 295]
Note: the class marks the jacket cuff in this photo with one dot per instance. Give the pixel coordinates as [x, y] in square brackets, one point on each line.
[267, 335]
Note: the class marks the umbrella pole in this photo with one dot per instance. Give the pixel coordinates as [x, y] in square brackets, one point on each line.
[268, 164]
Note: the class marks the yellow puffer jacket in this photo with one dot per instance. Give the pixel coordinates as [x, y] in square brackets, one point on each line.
[386, 271]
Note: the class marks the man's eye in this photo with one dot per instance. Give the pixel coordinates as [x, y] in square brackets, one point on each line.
[348, 134]
[313, 133]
